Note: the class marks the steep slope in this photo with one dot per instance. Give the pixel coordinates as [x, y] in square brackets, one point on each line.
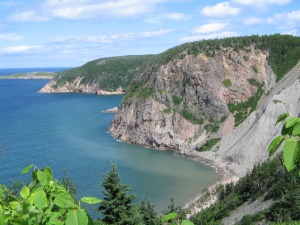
[101, 76]
[199, 92]
[247, 144]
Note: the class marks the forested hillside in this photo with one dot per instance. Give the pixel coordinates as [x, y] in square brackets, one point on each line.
[106, 73]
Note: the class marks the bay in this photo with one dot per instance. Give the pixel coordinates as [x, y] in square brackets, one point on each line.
[70, 131]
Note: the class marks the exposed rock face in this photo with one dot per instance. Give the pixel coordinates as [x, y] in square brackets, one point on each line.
[76, 86]
[189, 94]
[249, 142]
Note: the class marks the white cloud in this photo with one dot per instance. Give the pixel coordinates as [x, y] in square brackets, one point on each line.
[11, 37]
[27, 16]
[20, 49]
[209, 28]
[209, 36]
[290, 19]
[291, 32]
[110, 38]
[156, 33]
[91, 9]
[260, 3]
[253, 20]
[222, 9]
[170, 16]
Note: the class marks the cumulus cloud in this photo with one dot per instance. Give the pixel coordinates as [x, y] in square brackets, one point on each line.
[91, 9]
[253, 20]
[110, 38]
[209, 28]
[256, 3]
[290, 19]
[170, 16]
[156, 33]
[20, 49]
[27, 16]
[222, 9]
[209, 36]
[11, 37]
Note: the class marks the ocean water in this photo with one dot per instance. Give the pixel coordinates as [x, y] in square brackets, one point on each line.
[70, 131]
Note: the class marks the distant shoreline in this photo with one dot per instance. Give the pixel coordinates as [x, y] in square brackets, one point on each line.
[31, 75]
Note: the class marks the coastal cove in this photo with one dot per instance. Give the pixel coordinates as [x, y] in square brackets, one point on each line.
[71, 131]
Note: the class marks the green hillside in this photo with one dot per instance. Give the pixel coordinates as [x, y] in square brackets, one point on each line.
[108, 73]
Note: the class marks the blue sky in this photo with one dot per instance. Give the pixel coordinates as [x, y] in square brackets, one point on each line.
[69, 33]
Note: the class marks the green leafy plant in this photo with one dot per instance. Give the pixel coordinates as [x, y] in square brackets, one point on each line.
[172, 219]
[176, 100]
[227, 82]
[208, 144]
[43, 201]
[290, 135]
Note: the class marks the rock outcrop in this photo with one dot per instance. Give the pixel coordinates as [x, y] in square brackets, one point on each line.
[77, 87]
[249, 142]
[188, 96]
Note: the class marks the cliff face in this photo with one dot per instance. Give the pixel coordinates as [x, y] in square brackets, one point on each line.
[249, 142]
[188, 99]
[76, 86]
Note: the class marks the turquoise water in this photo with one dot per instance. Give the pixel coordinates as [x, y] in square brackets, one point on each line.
[71, 131]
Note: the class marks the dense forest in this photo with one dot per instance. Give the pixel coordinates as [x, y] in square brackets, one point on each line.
[108, 73]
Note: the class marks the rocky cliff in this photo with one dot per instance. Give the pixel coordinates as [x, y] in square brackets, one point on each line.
[189, 101]
[77, 86]
[248, 143]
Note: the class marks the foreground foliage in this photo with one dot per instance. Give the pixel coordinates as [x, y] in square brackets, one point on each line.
[43, 201]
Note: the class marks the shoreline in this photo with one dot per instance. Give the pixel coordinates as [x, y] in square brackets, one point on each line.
[207, 197]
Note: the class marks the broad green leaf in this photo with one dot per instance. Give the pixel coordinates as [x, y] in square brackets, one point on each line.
[14, 204]
[290, 153]
[1, 190]
[18, 221]
[76, 217]
[25, 192]
[286, 131]
[42, 178]
[169, 216]
[282, 117]
[54, 218]
[4, 219]
[48, 172]
[291, 122]
[91, 200]
[275, 144]
[1, 209]
[187, 222]
[296, 130]
[64, 200]
[39, 199]
[27, 169]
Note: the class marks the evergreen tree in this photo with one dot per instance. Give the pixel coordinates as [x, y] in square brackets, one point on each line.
[117, 207]
[148, 214]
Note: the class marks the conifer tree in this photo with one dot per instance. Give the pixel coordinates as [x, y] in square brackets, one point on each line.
[117, 207]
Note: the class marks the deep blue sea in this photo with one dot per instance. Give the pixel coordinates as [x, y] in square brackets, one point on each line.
[70, 131]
